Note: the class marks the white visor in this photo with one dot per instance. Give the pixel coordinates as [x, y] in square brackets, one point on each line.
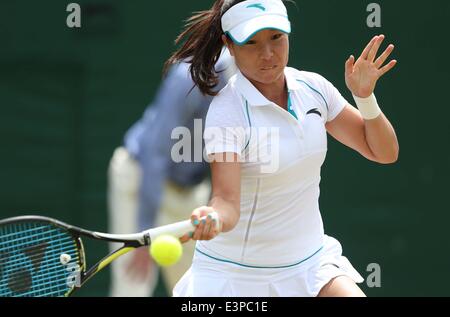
[247, 18]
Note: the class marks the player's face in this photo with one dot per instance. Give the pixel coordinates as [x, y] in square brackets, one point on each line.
[263, 58]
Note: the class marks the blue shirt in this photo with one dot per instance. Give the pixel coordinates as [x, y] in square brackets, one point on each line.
[176, 104]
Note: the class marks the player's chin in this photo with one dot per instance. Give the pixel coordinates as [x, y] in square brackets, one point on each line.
[269, 76]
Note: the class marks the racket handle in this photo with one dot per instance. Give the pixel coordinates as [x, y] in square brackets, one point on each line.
[178, 229]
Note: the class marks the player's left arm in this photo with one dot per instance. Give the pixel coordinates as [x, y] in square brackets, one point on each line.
[375, 138]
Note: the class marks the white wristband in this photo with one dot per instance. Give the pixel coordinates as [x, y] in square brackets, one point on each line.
[368, 107]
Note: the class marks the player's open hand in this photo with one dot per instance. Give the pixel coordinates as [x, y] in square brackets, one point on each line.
[361, 76]
[206, 222]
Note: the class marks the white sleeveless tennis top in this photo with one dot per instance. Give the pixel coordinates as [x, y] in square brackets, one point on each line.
[282, 152]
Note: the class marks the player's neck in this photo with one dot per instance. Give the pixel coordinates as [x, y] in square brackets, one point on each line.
[275, 92]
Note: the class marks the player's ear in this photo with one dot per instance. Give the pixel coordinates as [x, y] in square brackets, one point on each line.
[228, 43]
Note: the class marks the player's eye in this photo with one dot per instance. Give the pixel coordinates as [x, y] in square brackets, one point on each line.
[277, 36]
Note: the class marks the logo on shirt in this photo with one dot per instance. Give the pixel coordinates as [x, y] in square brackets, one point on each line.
[315, 111]
[257, 6]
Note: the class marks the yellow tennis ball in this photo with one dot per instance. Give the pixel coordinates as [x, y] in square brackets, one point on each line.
[166, 250]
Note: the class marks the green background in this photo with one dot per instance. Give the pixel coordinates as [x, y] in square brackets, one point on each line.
[67, 96]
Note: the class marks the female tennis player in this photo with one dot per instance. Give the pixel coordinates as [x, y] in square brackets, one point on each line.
[270, 240]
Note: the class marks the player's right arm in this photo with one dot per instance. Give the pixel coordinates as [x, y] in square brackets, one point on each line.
[225, 138]
[225, 199]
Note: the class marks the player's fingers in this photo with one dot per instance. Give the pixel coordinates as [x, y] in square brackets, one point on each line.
[206, 227]
[375, 47]
[215, 223]
[383, 57]
[366, 50]
[349, 65]
[200, 212]
[198, 233]
[186, 237]
[387, 68]
[202, 218]
[205, 211]
[195, 216]
[209, 231]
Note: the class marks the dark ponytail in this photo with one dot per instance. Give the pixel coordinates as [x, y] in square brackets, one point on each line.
[202, 45]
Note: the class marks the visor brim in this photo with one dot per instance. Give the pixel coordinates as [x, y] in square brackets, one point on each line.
[243, 32]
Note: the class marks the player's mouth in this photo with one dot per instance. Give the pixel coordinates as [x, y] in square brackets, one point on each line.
[268, 68]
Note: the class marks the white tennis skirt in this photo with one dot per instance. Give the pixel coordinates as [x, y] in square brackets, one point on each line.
[208, 277]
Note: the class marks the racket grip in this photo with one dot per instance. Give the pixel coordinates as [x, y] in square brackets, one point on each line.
[178, 229]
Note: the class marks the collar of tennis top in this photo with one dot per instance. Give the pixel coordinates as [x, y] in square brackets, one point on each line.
[256, 98]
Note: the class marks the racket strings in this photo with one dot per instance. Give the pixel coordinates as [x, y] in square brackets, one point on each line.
[49, 268]
[7, 237]
[14, 252]
[22, 281]
[30, 259]
[35, 258]
[43, 288]
[29, 250]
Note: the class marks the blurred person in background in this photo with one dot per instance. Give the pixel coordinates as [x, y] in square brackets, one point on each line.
[147, 188]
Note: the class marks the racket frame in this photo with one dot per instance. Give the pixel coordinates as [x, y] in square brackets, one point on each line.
[130, 241]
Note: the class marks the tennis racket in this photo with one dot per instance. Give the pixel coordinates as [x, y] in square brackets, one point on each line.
[41, 256]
